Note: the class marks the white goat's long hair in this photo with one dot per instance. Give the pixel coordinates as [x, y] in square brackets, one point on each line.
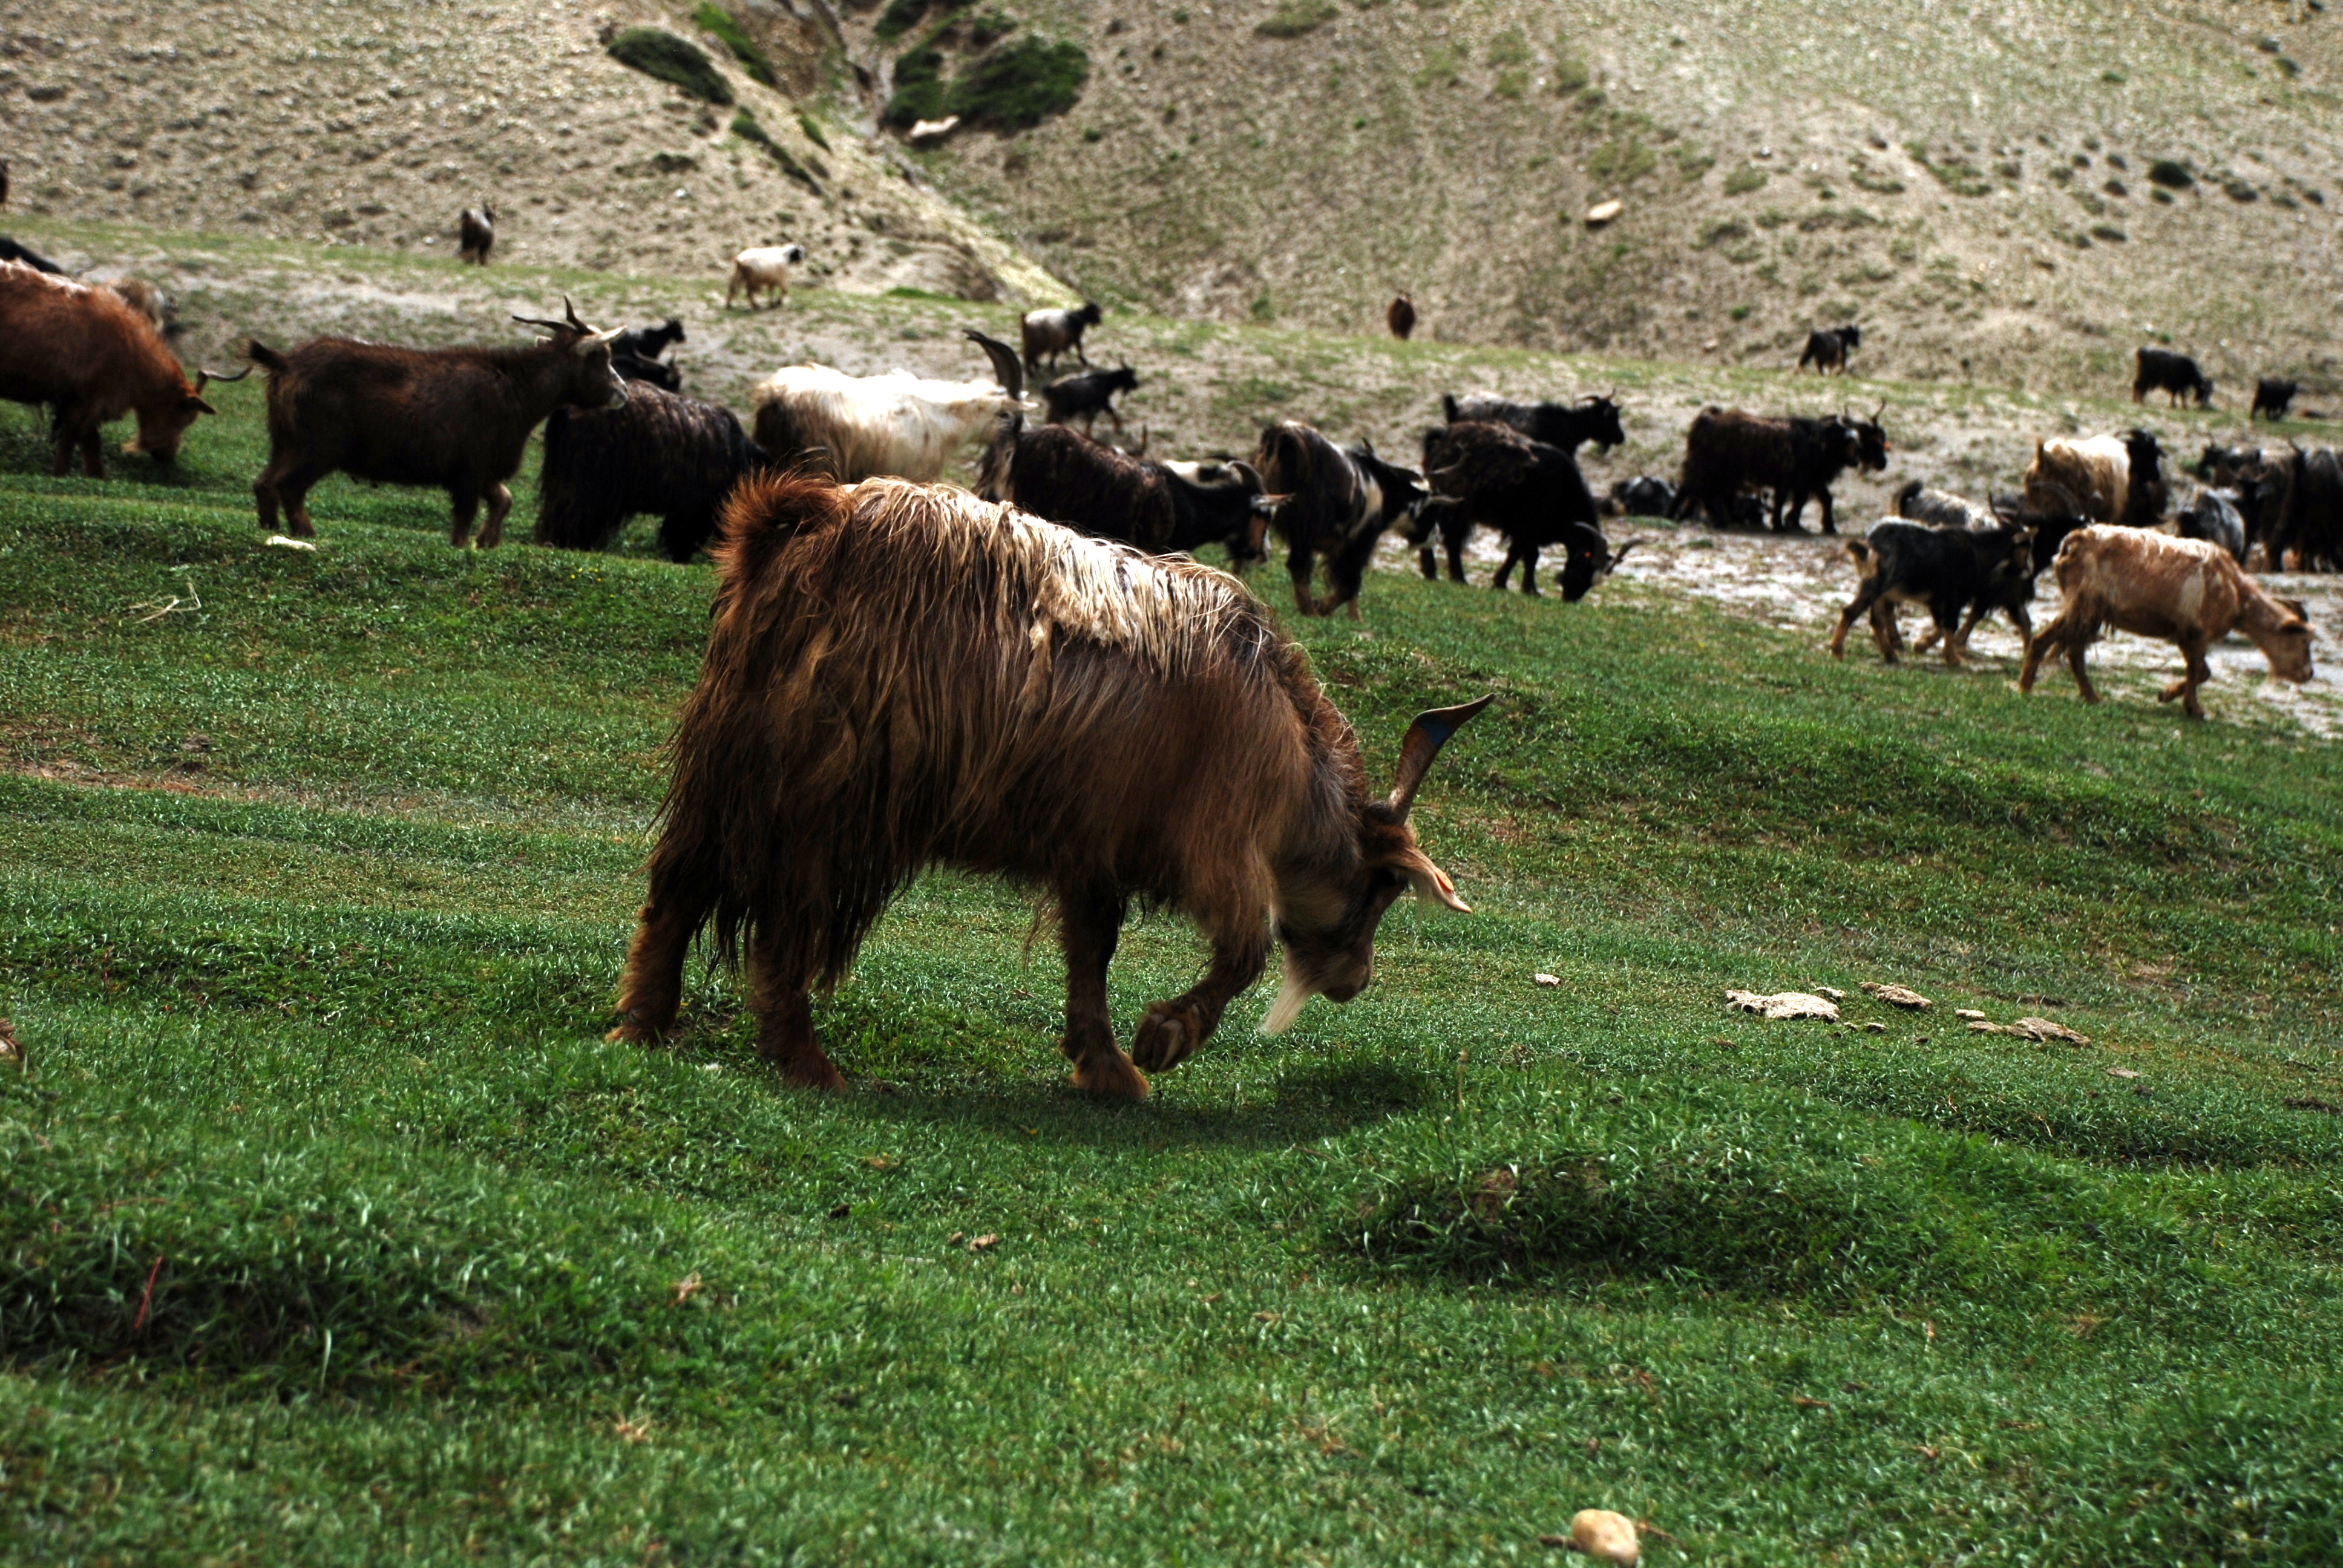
[897, 425]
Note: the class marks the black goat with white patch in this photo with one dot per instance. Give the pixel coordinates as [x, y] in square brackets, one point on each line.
[639, 353]
[1644, 496]
[1481, 472]
[2174, 375]
[1161, 507]
[1568, 426]
[1946, 571]
[1052, 332]
[2216, 518]
[1828, 348]
[672, 456]
[1087, 394]
[1337, 502]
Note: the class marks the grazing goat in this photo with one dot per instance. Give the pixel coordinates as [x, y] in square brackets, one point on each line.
[1159, 507]
[1727, 451]
[676, 458]
[865, 426]
[2273, 396]
[457, 418]
[2215, 517]
[2105, 480]
[1337, 503]
[1087, 394]
[1826, 350]
[1568, 426]
[2175, 375]
[1401, 317]
[1944, 571]
[2182, 591]
[1481, 472]
[1052, 332]
[639, 353]
[90, 358]
[1644, 496]
[765, 266]
[475, 233]
[1025, 702]
[26, 256]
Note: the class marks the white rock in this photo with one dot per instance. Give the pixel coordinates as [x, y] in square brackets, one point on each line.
[1783, 1004]
[933, 130]
[1547, 979]
[1602, 213]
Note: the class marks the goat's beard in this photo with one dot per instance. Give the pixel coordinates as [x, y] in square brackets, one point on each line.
[1291, 998]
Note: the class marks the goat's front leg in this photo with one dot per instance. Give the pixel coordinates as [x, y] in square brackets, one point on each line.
[1529, 571]
[1090, 925]
[1865, 596]
[1298, 565]
[779, 996]
[463, 506]
[1171, 1032]
[2196, 673]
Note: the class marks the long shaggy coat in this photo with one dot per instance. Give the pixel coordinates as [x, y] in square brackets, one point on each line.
[900, 676]
[663, 453]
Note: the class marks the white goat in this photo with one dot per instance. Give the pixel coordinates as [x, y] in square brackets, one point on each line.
[764, 267]
[897, 424]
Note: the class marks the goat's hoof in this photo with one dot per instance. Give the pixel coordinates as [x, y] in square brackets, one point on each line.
[1109, 1075]
[632, 1033]
[1167, 1035]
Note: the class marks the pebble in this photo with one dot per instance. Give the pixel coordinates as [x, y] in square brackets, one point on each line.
[1605, 1536]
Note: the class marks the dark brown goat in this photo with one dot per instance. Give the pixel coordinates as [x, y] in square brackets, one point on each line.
[90, 357]
[1401, 317]
[475, 233]
[1337, 503]
[453, 417]
[1024, 702]
[1161, 507]
[1727, 451]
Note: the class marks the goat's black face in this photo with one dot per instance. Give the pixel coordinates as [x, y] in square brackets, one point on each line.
[1871, 445]
[1604, 417]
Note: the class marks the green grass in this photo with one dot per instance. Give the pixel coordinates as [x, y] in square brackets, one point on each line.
[331, 1231]
[679, 62]
[715, 19]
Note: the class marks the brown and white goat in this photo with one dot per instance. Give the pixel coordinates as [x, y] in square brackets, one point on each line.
[457, 418]
[2105, 478]
[2181, 591]
[90, 357]
[475, 233]
[902, 676]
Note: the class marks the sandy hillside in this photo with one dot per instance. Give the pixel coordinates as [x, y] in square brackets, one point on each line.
[1973, 182]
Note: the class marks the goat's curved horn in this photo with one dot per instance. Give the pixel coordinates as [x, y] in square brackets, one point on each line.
[542, 321]
[1251, 476]
[1008, 367]
[204, 376]
[1425, 737]
[570, 311]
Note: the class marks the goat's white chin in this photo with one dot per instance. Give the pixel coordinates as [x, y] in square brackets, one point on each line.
[1290, 1000]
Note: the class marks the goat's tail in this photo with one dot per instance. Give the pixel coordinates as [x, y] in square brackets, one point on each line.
[1859, 552]
[265, 356]
[1905, 496]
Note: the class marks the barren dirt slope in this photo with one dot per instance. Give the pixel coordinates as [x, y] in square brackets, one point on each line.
[1971, 181]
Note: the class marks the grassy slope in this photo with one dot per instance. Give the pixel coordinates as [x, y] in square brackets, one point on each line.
[316, 1012]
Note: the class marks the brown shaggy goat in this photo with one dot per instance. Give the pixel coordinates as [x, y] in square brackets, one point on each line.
[2182, 591]
[1401, 317]
[900, 676]
[91, 358]
[452, 417]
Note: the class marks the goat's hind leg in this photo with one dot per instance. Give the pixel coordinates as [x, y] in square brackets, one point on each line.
[780, 994]
[1866, 595]
[1090, 925]
[492, 532]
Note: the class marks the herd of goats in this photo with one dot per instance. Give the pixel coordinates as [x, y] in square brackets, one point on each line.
[621, 439]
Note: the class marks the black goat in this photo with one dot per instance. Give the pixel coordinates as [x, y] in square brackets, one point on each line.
[1161, 507]
[1944, 571]
[1336, 504]
[676, 456]
[1483, 472]
[1826, 350]
[1568, 426]
[1087, 394]
[2273, 396]
[2175, 375]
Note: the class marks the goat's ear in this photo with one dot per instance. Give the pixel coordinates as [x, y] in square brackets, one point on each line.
[1429, 883]
[199, 405]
